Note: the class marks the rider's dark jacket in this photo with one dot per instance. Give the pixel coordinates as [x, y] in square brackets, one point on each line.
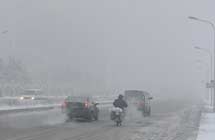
[120, 103]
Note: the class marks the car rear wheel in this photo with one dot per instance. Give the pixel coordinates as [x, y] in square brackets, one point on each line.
[96, 117]
[91, 116]
[144, 113]
[149, 113]
[68, 119]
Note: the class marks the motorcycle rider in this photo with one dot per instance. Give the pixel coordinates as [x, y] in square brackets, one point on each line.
[120, 102]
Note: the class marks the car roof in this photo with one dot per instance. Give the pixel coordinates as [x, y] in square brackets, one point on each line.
[136, 93]
[78, 98]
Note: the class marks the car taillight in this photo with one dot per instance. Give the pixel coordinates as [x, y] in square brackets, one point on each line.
[141, 103]
[64, 104]
[86, 104]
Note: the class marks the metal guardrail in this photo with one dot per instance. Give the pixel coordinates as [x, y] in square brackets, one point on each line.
[27, 109]
[27, 106]
[15, 104]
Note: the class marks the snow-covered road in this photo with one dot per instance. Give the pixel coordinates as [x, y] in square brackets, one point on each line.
[169, 121]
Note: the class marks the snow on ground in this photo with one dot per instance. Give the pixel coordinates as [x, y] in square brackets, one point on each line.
[32, 119]
[207, 127]
[169, 121]
[174, 126]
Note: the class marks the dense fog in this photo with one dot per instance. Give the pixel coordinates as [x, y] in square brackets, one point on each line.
[105, 47]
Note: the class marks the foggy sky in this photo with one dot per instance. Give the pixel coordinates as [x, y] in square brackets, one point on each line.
[110, 44]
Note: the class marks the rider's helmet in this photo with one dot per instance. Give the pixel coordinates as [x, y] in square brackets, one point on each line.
[120, 96]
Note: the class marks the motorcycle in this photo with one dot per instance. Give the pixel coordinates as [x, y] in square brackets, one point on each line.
[117, 115]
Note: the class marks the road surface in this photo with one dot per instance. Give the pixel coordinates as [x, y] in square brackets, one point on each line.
[174, 120]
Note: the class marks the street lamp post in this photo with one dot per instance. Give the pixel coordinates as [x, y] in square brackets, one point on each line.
[213, 27]
[211, 67]
[211, 59]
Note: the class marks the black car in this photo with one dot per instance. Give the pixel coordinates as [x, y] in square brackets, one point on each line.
[81, 108]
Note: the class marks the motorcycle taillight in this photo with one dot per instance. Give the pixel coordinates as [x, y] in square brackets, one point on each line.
[117, 113]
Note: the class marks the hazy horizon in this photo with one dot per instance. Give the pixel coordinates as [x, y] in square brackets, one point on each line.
[106, 45]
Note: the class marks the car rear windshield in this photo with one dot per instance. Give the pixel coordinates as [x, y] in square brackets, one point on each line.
[77, 99]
